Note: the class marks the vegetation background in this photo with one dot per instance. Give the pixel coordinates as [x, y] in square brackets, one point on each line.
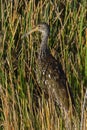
[22, 103]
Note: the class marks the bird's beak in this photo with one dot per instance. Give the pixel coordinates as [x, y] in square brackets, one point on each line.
[33, 30]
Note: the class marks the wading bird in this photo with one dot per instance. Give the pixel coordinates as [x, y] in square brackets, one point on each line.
[51, 75]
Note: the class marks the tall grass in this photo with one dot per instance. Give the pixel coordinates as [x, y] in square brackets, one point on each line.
[22, 104]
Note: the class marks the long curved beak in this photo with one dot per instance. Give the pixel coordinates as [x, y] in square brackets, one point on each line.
[33, 30]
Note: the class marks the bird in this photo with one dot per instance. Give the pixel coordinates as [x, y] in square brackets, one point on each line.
[50, 74]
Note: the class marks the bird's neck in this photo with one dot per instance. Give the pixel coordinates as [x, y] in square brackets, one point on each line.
[44, 50]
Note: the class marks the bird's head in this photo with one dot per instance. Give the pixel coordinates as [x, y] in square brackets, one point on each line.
[43, 28]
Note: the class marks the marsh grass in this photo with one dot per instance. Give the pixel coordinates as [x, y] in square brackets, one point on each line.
[22, 104]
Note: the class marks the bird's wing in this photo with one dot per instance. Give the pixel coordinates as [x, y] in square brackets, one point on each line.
[56, 80]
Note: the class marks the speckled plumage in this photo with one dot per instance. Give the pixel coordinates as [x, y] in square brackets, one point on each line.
[50, 75]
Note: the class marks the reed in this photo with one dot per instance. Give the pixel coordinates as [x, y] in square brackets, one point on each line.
[22, 104]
